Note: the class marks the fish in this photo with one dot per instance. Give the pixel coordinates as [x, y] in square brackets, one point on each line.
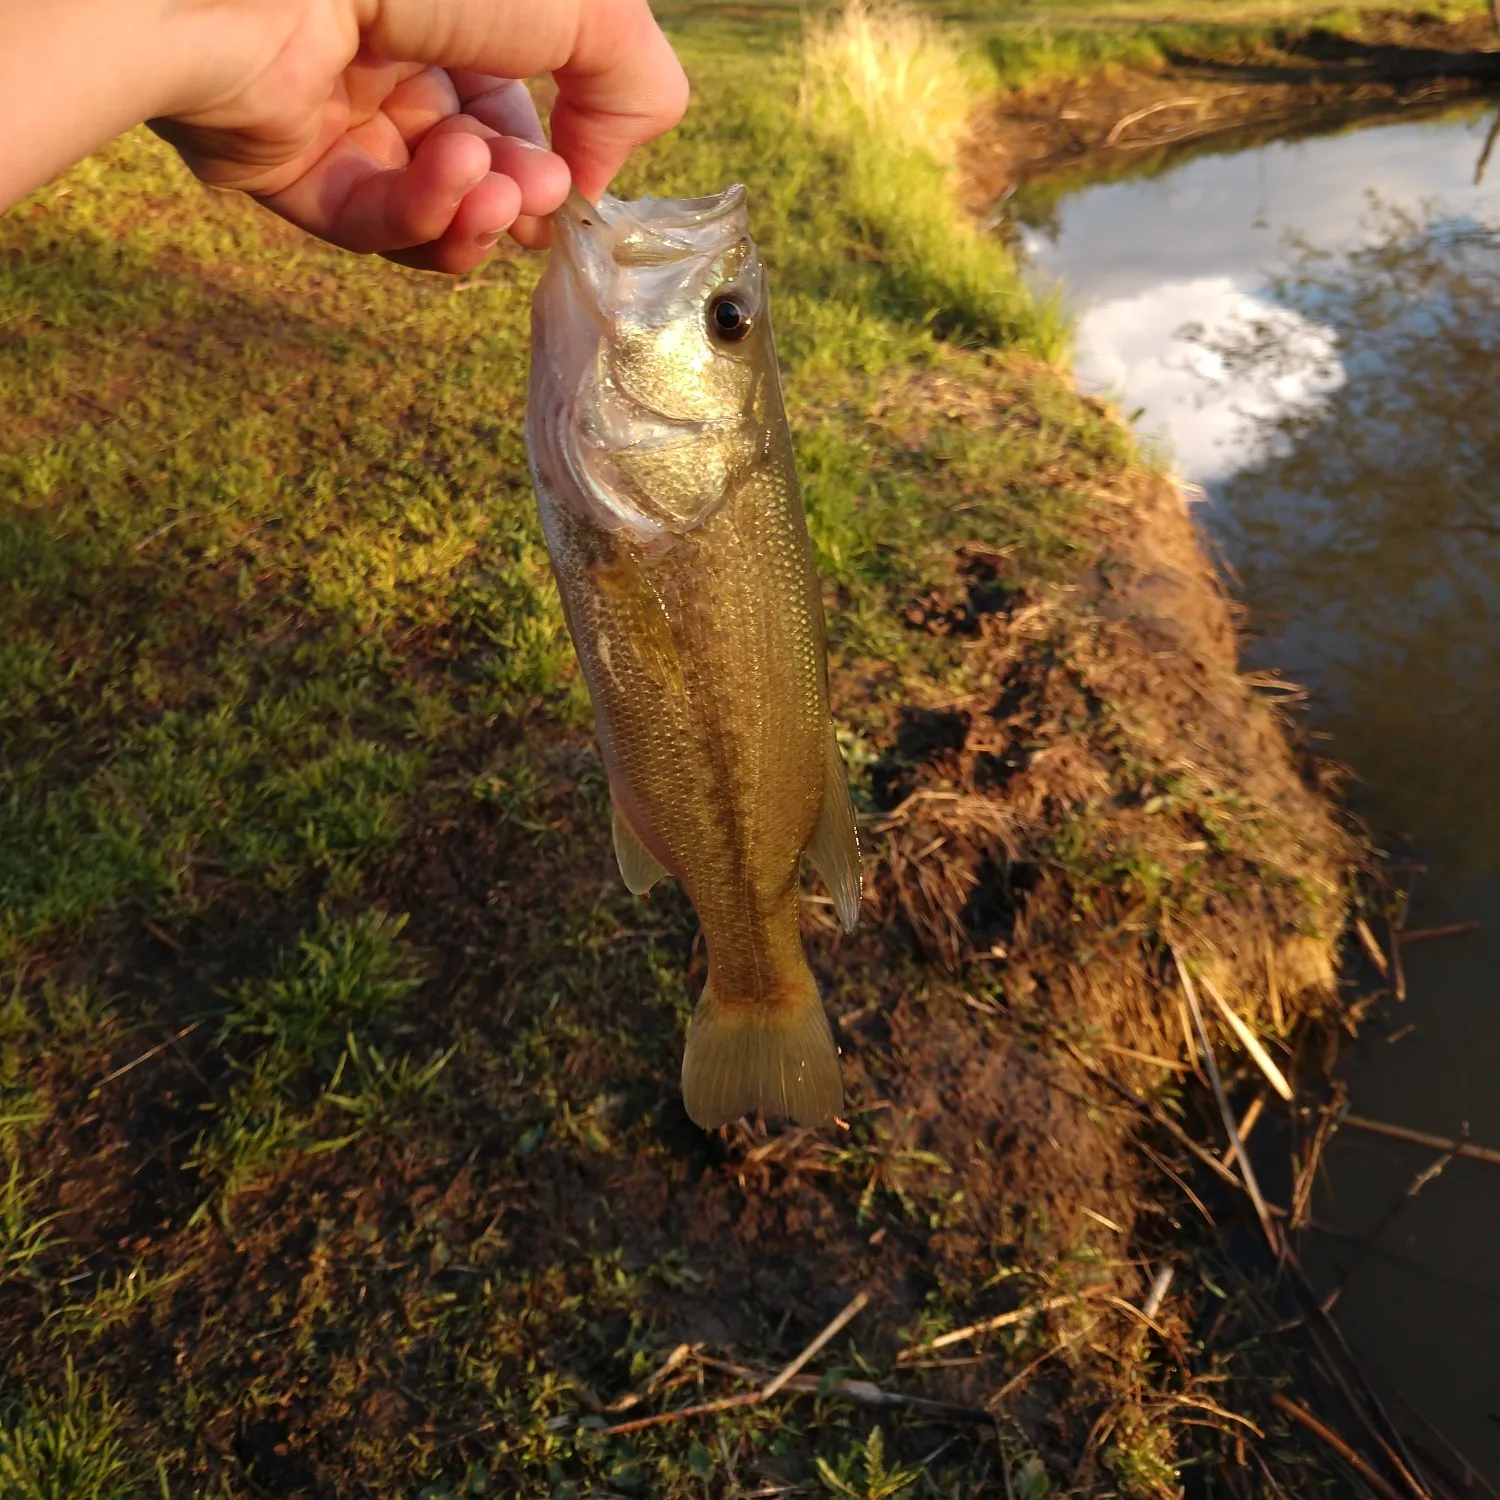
[664, 475]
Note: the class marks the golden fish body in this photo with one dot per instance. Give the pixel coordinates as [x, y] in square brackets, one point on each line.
[664, 473]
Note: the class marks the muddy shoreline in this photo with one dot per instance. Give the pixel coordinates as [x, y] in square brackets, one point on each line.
[1146, 232]
[1124, 115]
[1133, 119]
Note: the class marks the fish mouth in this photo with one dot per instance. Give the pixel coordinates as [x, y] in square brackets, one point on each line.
[600, 239]
[658, 243]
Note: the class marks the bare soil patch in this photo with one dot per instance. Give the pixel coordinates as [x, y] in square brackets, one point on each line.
[1400, 65]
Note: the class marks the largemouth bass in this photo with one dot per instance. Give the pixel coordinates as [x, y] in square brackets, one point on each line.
[663, 468]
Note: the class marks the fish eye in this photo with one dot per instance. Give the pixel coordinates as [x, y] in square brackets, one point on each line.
[729, 319]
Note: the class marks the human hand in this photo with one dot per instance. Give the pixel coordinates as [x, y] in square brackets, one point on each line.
[398, 126]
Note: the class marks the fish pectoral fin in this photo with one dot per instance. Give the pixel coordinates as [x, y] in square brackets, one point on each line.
[639, 867]
[834, 847]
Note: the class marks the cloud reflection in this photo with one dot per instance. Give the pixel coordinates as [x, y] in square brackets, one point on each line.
[1141, 259]
[1209, 418]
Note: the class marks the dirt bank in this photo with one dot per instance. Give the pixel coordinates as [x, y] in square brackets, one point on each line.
[1090, 791]
[1398, 65]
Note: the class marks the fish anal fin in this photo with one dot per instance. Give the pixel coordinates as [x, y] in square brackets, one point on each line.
[639, 867]
[779, 1059]
[834, 846]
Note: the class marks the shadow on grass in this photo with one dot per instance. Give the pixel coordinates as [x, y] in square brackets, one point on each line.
[1317, 55]
[309, 1252]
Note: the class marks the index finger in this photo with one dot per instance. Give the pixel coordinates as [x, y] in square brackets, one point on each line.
[619, 82]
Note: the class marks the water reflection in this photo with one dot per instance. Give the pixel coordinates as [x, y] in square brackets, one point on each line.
[1190, 398]
[1139, 256]
[1367, 526]
[1312, 331]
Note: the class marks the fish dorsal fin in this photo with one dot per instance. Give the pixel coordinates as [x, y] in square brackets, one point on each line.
[834, 848]
[639, 867]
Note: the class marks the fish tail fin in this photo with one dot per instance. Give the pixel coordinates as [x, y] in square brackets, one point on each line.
[777, 1058]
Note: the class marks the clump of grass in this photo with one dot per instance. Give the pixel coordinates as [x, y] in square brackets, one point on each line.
[895, 69]
[891, 93]
[67, 1447]
[862, 1473]
[23, 1236]
[344, 974]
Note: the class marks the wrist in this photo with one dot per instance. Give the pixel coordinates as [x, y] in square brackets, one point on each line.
[206, 47]
[73, 75]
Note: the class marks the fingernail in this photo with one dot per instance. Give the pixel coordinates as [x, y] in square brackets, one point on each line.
[489, 239]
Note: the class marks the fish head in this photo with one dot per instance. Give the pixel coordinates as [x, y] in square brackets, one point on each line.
[652, 360]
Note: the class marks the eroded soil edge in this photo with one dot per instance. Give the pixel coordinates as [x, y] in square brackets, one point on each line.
[1228, 93]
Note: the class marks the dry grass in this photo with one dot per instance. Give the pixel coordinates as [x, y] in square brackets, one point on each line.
[895, 70]
[888, 95]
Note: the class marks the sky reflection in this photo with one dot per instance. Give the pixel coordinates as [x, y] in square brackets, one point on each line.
[1141, 258]
[1311, 331]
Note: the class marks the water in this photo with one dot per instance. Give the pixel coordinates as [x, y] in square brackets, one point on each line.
[1310, 331]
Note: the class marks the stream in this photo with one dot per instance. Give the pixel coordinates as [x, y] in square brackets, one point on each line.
[1308, 331]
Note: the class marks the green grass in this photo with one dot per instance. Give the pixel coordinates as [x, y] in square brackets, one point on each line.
[1018, 43]
[269, 535]
[337, 1072]
[278, 614]
[1026, 53]
[73, 1447]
